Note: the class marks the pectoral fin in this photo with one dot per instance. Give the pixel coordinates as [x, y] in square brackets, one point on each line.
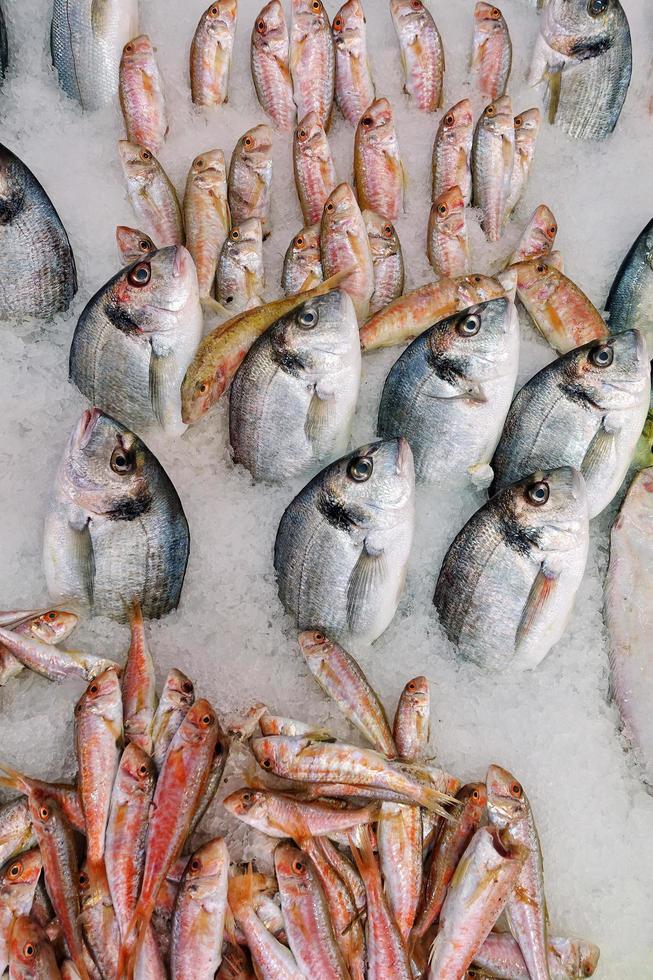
[162, 369]
[319, 418]
[309, 282]
[367, 577]
[553, 79]
[540, 595]
[83, 559]
[481, 475]
[599, 453]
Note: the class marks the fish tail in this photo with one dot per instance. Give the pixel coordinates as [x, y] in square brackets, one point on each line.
[362, 849]
[435, 801]
[133, 940]
[12, 779]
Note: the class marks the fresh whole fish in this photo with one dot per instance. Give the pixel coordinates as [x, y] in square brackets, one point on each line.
[16, 832]
[387, 261]
[378, 169]
[315, 172]
[344, 245]
[312, 60]
[586, 410]
[560, 310]
[354, 85]
[538, 237]
[450, 391]
[115, 531]
[630, 300]
[343, 543]
[452, 152]
[410, 315]
[491, 53]
[492, 164]
[272, 958]
[206, 214]
[31, 956]
[176, 698]
[447, 245]
[270, 65]
[302, 265]
[135, 339]
[198, 920]
[18, 879]
[279, 725]
[133, 244]
[250, 177]
[628, 612]
[49, 660]
[151, 194]
[293, 399]
[399, 835]
[141, 95]
[86, 42]
[508, 582]
[583, 56]
[240, 277]
[51, 627]
[37, 268]
[283, 816]
[527, 127]
[213, 779]
[64, 795]
[210, 53]
[138, 687]
[99, 924]
[341, 678]
[412, 720]
[422, 54]
[567, 958]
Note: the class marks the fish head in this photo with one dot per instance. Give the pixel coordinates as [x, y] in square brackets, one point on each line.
[377, 122]
[480, 341]
[546, 512]
[138, 163]
[416, 694]
[20, 875]
[162, 282]
[448, 211]
[409, 16]
[348, 25]
[293, 870]
[310, 137]
[473, 795]
[527, 125]
[506, 800]
[26, 945]
[256, 143]
[307, 241]
[200, 722]
[103, 697]
[497, 118]
[582, 29]
[488, 20]
[138, 52]
[341, 209]
[477, 289]
[201, 388]
[270, 26]
[322, 327]
[539, 235]
[53, 626]
[588, 955]
[208, 861]
[133, 244]
[456, 125]
[178, 690]
[250, 805]
[613, 372]
[274, 752]
[309, 16]
[245, 239]
[136, 773]
[209, 169]
[382, 235]
[45, 812]
[372, 487]
[221, 16]
[315, 646]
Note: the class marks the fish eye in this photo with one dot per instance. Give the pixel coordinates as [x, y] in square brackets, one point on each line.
[144, 245]
[234, 234]
[52, 615]
[416, 4]
[337, 24]
[299, 241]
[442, 209]
[29, 951]
[490, 111]
[299, 867]
[475, 794]
[519, 121]
[93, 689]
[121, 463]
[260, 26]
[602, 356]
[411, 686]
[367, 121]
[449, 119]
[495, 13]
[129, 47]
[588, 970]
[187, 687]
[207, 720]
[246, 797]
[316, 5]
[320, 637]
[44, 812]
[83, 879]
[360, 469]
[516, 789]
[307, 319]
[388, 231]
[140, 275]
[214, 11]
[248, 142]
[301, 135]
[195, 864]
[552, 231]
[469, 326]
[267, 763]
[201, 387]
[540, 267]
[143, 770]
[15, 870]
[538, 494]
[329, 207]
[597, 7]
[145, 155]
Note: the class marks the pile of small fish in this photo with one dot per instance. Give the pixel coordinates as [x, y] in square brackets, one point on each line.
[384, 866]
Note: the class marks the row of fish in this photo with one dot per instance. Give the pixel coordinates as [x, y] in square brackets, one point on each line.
[376, 863]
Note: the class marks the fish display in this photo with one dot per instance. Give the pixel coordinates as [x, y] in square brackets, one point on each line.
[387, 261]
[354, 87]
[629, 300]
[210, 53]
[422, 54]
[345, 247]
[586, 410]
[452, 152]
[343, 542]
[37, 268]
[151, 194]
[206, 215]
[447, 243]
[493, 154]
[315, 172]
[250, 177]
[115, 531]
[240, 277]
[312, 60]
[378, 170]
[491, 52]
[270, 47]
[302, 264]
[141, 95]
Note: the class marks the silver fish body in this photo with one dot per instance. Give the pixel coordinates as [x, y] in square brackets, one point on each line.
[452, 152]
[450, 391]
[250, 177]
[387, 260]
[270, 66]
[630, 300]
[240, 277]
[586, 409]
[354, 85]
[151, 194]
[312, 60]
[527, 127]
[293, 399]
[115, 531]
[422, 54]
[315, 172]
[135, 339]
[343, 543]
[508, 582]
[37, 268]
[492, 164]
[302, 264]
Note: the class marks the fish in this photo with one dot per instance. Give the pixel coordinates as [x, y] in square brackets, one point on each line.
[133, 244]
[141, 95]
[250, 177]
[378, 170]
[510, 812]
[344, 244]
[527, 127]
[50, 660]
[223, 350]
[312, 60]
[631, 294]
[452, 152]
[199, 916]
[450, 391]
[216, 769]
[271, 958]
[450, 845]
[387, 261]
[306, 914]
[64, 795]
[279, 725]
[586, 409]
[447, 244]
[31, 956]
[38, 277]
[491, 52]
[354, 89]
[583, 58]
[539, 236]
[16, 834]
[627, 578]
[493, 154]
[138, 687]
[567, 958]
[422, 54]
[412, 720]
[151, 194]
[68, 970]
[240, 276]
[211, 52]
[176, 698]
[51, 627]
[343, 543]
[410, 315]
[115, 531]
[135, 339]
[279, 815]
[315, 172]
[206, 215]
[86, 42]
[269, 58]
[292, 402]
[482, 883]
[399, 835]
[18, 879]
[341, 678]
[302, 265]
[508, 582]
[99, 924]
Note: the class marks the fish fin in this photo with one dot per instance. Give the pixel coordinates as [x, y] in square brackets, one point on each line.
[369, 571]
[599, 451]
[319, 416]
[362, 850]
[508, 279]
[213, 308]
[12, 779]
[553, 78]
[481, 475]
[538, 598]
[253, 302]
[161, 370]
[311, 280]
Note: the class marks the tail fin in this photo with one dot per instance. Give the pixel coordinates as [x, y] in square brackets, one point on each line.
[362, 849]
[12, 779]
[132, 942]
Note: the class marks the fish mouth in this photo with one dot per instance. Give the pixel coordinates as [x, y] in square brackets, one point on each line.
[85, 427]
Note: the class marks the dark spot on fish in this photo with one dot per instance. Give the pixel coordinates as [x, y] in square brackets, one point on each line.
[287, 361]
[450, 369]
[131, 507]
[121, 320]
[576, 394]
[336, 512]
[11, 207]
[590, 47]
[518, 538]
